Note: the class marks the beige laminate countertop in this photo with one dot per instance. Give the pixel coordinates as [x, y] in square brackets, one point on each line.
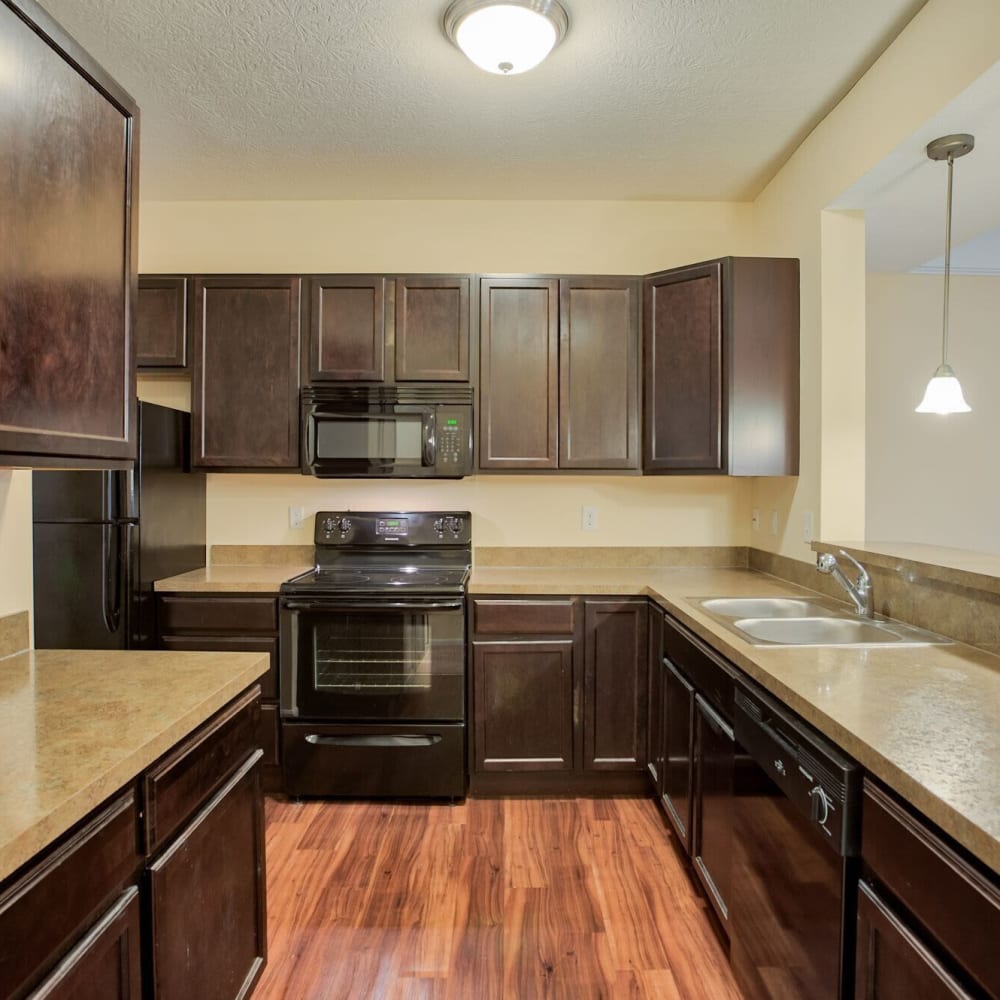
[259, 578]
[925, 720]
[77, 725]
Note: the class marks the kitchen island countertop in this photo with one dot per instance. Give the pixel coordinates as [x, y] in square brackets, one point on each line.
[925, 720]
[78, 725]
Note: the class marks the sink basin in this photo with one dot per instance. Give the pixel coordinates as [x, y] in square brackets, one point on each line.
[831, 631]
[767, 607]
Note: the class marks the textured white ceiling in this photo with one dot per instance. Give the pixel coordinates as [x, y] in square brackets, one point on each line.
[679, 99]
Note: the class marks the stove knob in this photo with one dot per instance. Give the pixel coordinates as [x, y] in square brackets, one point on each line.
[455, 525]
[345, 525]
[329, 524]
[439, 525]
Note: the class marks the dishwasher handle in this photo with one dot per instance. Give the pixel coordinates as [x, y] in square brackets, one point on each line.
[815, 777]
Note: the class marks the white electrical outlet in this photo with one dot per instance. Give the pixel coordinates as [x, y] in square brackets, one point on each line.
[807, 526]
[774, 522]
[588, 519]
[755, 519]
[296, 515]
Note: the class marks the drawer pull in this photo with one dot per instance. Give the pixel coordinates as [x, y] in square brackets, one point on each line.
[379, 740]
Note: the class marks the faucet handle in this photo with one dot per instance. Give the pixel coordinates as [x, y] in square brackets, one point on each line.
[864, 580]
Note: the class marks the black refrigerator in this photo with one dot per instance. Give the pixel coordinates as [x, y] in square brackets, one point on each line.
[101, 538]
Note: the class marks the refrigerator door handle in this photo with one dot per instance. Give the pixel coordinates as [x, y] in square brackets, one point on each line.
[111, 575]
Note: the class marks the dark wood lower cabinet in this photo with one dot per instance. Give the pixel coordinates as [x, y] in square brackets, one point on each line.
[677, 745]
[525, 705]
[106, 964]
[892, 963]
[654, 700]
[207, 898]
[714, 761]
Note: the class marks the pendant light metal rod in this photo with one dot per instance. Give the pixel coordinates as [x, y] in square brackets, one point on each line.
[947, 261]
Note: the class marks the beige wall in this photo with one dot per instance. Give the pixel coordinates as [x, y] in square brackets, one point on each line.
[574, 237]
[947, 46]
[930, 478]
[15, 541]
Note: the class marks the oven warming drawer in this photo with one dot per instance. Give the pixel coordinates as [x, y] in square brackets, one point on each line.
[374, 761]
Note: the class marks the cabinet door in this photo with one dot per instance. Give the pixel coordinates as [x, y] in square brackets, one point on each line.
[161, 322]
[654, 700]
[207, 898]
[347, 328]
[615, 657]
[519, 337]
[683, 363]
[432, 329]
[892, 963]
[105, 965]
[715, 756]
[598, 373]
[677, 714]
[523, 708]
[67, 252]
[245, 398]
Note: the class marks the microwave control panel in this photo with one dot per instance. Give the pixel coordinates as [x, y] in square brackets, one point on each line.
[453, 433]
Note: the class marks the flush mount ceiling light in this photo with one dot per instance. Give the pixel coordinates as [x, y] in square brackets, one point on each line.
[506, 36]
[944, 392]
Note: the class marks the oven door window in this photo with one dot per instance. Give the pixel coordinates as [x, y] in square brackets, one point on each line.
[375, 664]
[396, 439]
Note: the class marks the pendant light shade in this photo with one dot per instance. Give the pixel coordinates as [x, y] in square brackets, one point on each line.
[944, 392]
[506, 37]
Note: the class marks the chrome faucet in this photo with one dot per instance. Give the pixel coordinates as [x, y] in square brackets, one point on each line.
[860, 593]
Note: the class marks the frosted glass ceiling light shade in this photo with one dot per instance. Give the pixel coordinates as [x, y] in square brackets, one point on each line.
[506, 38]
[944, 394]
[944, 391]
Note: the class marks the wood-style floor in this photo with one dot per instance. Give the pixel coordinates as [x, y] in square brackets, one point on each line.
[493, 899]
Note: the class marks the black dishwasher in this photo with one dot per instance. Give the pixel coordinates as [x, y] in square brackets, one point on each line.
[794, 870]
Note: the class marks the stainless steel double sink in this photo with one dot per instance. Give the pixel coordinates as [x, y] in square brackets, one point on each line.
[802, 621]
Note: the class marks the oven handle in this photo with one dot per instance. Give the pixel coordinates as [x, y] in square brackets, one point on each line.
[382, 740]
[347, 605]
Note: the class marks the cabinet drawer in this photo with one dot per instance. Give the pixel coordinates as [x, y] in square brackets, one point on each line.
[218, 614]
[512, 617]
[715, 681]
[957, 905]
[189, 774]
[267, 735]
[47, 909]
[233, 644]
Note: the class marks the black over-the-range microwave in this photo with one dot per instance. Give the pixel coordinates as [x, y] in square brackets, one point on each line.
[387, 431]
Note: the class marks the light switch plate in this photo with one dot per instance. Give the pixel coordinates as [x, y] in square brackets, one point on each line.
[296, 516]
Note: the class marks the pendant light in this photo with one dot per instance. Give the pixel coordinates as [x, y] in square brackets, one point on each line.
[506, 36]
[944, 392]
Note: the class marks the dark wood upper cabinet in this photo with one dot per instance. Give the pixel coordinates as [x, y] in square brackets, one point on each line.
[69, 135]
[721, 342]
[347, 328]
[245, 390]
[599, 373]
[432, 329]
[161, 322]
[519, 339]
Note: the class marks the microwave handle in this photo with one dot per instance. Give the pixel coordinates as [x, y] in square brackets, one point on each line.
[428, 440]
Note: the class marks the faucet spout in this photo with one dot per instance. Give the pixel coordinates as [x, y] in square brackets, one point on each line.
[860, 592]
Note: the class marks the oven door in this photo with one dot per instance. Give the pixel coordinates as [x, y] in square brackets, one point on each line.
[390, 440]
[373, 660]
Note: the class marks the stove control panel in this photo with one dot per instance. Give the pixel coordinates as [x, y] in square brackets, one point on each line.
[382, 529]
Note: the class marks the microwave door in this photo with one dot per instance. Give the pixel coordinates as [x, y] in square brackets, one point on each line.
[355, 443]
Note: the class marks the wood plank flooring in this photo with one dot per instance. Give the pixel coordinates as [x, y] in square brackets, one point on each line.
[492, 899]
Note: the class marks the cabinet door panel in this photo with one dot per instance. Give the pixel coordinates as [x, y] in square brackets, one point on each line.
[106, 964]
[245, 399]
[683, 344]
[614, 727]
[715, 757]
[654, 701]
[519, 363]
[677, 771]
[347, 329]
[67, 253]
[207, 898]
[523, 705]
[599, 373]
[432, 329]
[161, 327]
[892, 963]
